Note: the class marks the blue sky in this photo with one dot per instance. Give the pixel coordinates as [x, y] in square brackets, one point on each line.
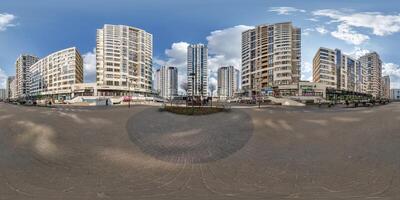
[41, 27]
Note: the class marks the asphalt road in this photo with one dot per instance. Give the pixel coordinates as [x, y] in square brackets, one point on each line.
[141, 153]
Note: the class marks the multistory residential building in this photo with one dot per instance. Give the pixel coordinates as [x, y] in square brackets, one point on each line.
[385, 87]
[324, 67]
[395, 94]
[55, 74]
[338, 71]
[373, 73]
[22, 73]
[228, 81]
[11, 88]
[350, 73]
[3, 95]
[197, 74]
[166, 81]
[123, 60]
[271, 56]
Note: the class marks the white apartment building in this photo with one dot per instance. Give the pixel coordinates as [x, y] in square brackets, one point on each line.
[11, 87]
[338, 71]
[385, 87]
[22, 66]
[3, 95]
[373, 73]
[395, 94]
[123, 60]
[166, 82]
[197, 74]
[228, 81]
[55, 74]
[271, 56]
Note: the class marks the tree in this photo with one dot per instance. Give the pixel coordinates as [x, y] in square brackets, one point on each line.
[184, 86]
[211, 87]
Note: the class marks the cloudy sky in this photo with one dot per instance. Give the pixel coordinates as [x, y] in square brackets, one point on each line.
[41, 27]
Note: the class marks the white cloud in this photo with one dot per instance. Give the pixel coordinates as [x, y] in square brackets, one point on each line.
[89, 66]
[358, 52]
[224, 47]
[392, 70]
[313, 19]
[3, 78]
[285, 10]
[380, 24]
[177, 54]
[306, 71]
[307, 31]
[344, 32]
[6, 21]
[322, 30]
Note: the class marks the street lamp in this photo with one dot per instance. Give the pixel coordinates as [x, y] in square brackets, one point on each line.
[129, 88]
[193, 75]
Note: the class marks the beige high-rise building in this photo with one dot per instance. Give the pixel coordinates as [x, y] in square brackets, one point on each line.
[324, 67]
[228, 81]
[55, 74]
[271, 56]
[373, 73]
[124, 60]
[385, 87]
[338, 71]
[22, 73]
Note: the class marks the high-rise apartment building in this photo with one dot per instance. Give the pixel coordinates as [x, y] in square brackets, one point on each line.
[197, 74]
[3, 95]
[22, 73]
[228, 81]
[337, 70]
[11, 87]
[123, 60]
[166, 81]
[395, 94]
[271, 56]
[55, 74]
[324, 67]
[373, 73]
[385, 87]
[350, 73]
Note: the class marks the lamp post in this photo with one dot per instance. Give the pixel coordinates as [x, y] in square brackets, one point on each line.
[193, 83]
[129, 88]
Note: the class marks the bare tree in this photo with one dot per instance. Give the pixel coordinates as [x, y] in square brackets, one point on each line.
[212, 88]
[184, 86]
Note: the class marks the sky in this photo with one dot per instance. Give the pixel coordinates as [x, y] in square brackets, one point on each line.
[356, 27]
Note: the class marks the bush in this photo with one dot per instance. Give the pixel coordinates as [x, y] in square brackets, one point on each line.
[192, 110]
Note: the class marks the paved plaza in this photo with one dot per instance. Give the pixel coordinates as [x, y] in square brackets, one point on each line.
[248, 153]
